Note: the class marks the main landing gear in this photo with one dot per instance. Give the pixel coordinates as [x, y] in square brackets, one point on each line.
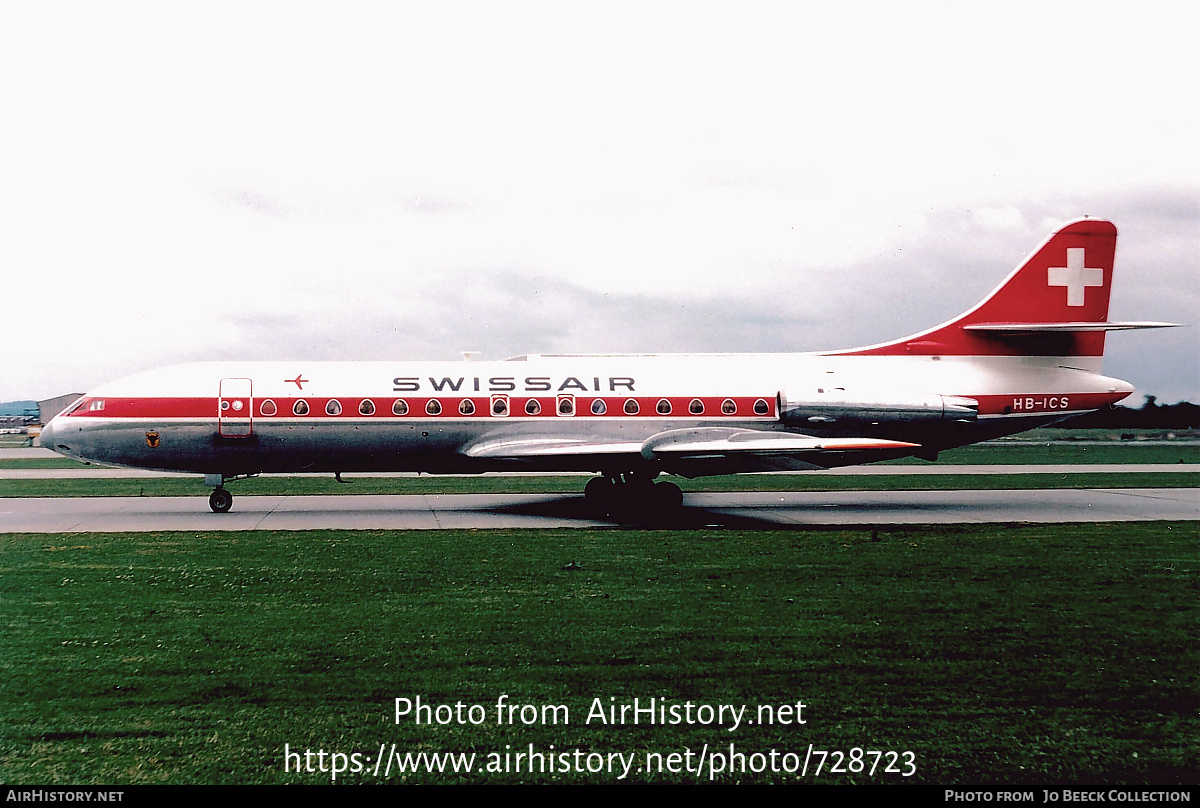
[632, 494]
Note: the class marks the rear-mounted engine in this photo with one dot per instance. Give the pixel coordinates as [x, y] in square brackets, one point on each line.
[839, 406]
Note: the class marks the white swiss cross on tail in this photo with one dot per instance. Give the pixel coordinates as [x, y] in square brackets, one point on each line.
[1075, 276]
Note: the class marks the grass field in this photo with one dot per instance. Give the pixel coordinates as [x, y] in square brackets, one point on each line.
[297, 486]
[1001, 654]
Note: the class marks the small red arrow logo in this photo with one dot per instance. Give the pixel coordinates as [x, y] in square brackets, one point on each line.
[299, 381]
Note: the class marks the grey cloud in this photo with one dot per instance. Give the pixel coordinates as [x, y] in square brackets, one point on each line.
[938, 272]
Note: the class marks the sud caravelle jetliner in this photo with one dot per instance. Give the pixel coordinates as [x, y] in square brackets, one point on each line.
[1028, 355]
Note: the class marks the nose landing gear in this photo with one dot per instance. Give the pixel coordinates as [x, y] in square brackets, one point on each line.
[220, 500]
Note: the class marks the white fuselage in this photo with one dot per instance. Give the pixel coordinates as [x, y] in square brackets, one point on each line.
[248, 417]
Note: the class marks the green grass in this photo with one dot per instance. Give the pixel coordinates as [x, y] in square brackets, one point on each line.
[44, 463]
[1048, 433]
[14, 441]
[1000, 453]
[999, 654]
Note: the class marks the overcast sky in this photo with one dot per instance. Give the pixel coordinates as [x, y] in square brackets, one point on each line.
[411, 180]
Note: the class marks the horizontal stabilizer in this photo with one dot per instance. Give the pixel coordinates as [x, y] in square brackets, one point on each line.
[1058, 328]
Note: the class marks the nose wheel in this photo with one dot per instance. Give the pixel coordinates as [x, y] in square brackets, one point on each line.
[220, 500]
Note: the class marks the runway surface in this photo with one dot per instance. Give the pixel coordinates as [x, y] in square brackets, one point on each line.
[716, 510]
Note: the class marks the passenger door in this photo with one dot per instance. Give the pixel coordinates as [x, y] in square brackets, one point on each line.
[235, 408]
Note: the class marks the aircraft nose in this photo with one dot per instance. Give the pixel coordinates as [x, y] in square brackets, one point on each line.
[48, 435]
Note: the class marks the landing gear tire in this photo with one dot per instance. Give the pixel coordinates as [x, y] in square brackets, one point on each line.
[220, 500]
[667, 496]
[636, 500]
[655, 502]
[600, 493]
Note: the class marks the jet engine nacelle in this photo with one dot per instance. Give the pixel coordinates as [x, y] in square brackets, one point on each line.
[837, 405]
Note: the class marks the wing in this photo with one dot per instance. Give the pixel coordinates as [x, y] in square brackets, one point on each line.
[698, 452]
[532, 447]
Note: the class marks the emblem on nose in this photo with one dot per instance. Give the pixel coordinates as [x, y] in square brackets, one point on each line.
[152, 440]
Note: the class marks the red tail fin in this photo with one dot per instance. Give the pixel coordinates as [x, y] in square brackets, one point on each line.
[1054, 304]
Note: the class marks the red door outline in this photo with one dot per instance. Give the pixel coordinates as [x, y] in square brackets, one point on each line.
[235, 408]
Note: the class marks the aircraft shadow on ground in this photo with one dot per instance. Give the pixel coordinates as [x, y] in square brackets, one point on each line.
[575, 507]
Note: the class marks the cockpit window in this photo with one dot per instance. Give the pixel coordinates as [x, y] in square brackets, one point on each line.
[96, 405]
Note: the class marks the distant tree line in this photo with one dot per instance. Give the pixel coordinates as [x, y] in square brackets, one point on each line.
[1151, 415]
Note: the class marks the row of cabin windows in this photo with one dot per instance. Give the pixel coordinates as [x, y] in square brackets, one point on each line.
[566, 406]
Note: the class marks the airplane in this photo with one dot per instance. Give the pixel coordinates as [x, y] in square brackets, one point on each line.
[1028, 355]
